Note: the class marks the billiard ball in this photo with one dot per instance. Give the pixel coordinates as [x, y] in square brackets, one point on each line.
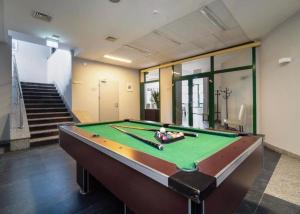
[162, 130]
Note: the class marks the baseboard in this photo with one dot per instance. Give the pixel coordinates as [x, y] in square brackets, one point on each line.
[281, 151]
[4, 143]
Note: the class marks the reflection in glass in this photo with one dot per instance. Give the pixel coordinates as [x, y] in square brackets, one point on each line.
[182, 100]
[200, 103]
[232, 60]
[196, 66]
[192, 109]
[152, 95]
[152, 75]
[235, 100]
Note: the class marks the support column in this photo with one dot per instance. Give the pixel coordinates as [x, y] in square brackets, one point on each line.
[211, 89]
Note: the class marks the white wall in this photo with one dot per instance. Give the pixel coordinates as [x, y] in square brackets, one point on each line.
[32, 62]
[280, 86]
[166, 95]
[59, 72]
[85, 91]
[5, 90]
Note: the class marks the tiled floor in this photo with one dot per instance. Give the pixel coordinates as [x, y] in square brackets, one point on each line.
[262, 198]
[42, 180]
[285, 182]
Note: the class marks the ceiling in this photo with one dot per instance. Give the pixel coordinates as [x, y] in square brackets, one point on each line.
[147, 32]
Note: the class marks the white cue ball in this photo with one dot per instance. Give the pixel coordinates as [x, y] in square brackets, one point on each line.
[162, 130]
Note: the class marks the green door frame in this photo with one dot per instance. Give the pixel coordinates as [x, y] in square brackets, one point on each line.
[190, 79]
[142, 95]
[211, 75]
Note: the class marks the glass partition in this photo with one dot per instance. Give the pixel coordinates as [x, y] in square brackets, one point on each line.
[234, 100]
[200, 104]
[182, 103]
[152, 95]
[192, 68]
[192, 106]
[232, 60]
[152, 76]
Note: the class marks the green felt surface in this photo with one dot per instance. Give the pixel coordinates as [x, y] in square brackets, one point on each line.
[184, 153]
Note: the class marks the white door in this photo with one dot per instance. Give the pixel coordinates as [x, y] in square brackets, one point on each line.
[108, 100]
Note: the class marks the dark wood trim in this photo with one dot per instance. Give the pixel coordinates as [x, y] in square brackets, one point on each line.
[144, 193]
[215, 163]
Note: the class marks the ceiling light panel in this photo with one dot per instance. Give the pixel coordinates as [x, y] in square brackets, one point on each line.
[116, 58]
[130, 53]
[213, 18]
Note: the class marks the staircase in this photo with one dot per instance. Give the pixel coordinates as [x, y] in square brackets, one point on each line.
[45, 111]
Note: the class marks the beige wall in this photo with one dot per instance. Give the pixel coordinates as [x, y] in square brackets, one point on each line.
[5, 90]
[166, 94]
[85, 91]
[280, 86]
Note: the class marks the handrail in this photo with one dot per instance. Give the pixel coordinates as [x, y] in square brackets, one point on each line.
[19, 91]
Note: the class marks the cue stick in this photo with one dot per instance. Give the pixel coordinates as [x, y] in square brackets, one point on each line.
[151, 143]
[190, 134]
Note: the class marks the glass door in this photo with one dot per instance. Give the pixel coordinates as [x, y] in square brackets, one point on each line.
[182, 103]
[192, 106]
[200, 104]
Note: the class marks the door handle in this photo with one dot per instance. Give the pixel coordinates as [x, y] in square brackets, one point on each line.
[117, 105]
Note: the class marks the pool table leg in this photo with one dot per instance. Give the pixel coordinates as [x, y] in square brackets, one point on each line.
[195, 208]
[85, 180]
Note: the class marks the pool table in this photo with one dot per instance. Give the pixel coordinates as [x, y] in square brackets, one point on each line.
[210, 173]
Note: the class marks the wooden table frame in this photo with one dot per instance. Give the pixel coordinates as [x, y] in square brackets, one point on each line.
[147, 184]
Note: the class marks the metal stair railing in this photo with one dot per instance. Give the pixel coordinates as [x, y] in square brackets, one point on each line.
[19, 91]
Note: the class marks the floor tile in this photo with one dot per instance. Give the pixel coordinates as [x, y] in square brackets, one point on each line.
[273, 205]
[285, 181]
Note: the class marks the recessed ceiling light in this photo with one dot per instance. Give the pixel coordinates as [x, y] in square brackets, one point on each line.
[114, 1]
[117, 58]
[213, 18]
[111, 39]
[155, 12]
[53, 43]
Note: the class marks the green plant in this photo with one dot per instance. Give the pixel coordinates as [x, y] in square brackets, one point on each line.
[155, 97]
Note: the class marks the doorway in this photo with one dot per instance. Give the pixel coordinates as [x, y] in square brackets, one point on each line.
[108, 100]
[192, 102]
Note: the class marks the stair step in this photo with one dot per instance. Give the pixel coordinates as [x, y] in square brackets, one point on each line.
[44, 105]
[37, 127]
[38, 86]
[35, 83]
[41, 97]
[38, 93]
[49, 120]
[24, 90]
[47, 114]
[43, 133]
[43, 101]
[45, 110]
[44, 141]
